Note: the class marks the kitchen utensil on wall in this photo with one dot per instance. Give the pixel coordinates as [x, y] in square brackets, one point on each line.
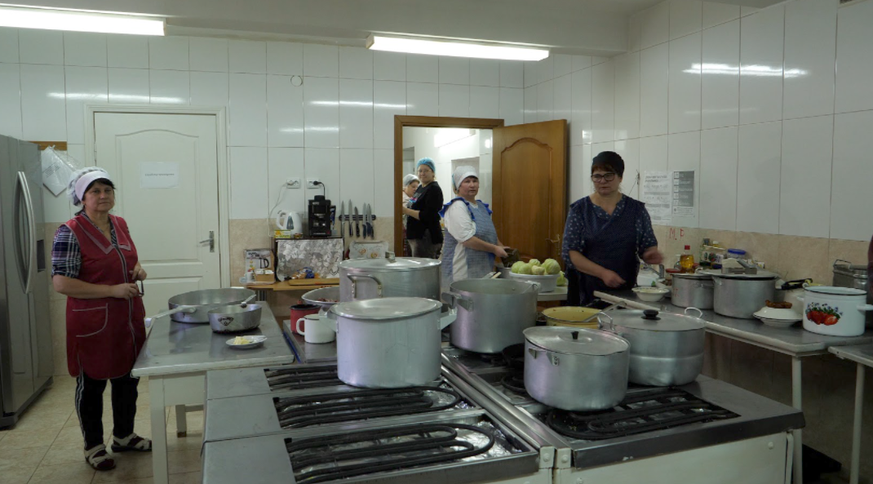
[357, 224]
[390, 342]
[341, 217]
[492, 313]
[368, 223]
[835, 311]
[740, 295]
[194, 306]
[389, 277]
[575, 369]
[665, 349]
[692, 290]
[351, 220]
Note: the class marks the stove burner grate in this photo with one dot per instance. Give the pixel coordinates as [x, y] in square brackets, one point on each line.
[641, 412]
[303, 411]
[514, 381]
[321, 459]
[300, 378]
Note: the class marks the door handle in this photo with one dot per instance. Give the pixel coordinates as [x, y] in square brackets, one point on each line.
[31, 231]
[211, 241]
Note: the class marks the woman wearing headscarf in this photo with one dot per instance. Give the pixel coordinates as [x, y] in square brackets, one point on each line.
[471, 241]
[423, 228]
[606, 235]
[95, 264]
[410, 185]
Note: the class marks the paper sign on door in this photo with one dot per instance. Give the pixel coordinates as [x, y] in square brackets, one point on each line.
[158, 174]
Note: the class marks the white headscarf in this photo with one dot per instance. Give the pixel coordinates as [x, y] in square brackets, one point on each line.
[81, 179]
[461, 173]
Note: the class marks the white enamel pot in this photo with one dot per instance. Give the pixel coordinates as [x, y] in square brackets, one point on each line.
[390, 342]
[834, 311]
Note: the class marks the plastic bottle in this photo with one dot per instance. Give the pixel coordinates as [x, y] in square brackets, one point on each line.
[686, 260]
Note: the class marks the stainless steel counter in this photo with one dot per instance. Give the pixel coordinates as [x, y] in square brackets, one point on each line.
[173, 348]
[862, 355]
[308, 353]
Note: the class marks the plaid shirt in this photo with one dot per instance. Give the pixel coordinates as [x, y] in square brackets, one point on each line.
[66, 254]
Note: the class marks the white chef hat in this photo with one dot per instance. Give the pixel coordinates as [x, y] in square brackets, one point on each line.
[409, 179]
[462, 172]
[82, 178]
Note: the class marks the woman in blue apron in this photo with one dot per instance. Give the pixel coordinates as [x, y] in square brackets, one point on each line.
[606, 235]
[471, 242]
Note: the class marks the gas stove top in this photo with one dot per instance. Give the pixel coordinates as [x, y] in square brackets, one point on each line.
[240, 382]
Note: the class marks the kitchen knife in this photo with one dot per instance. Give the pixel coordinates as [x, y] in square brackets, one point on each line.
[370, 213]
[357, 224]
[342, 212]
[368, 226]
[350, 218]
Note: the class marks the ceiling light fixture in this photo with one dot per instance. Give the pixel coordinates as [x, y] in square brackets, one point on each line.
[79, 21]
[454, 48]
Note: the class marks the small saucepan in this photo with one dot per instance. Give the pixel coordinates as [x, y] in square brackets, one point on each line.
[235, 317]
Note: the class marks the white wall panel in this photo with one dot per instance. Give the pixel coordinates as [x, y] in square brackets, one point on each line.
[805, 183]
[759, 170]
[810, 54]
[718, 178]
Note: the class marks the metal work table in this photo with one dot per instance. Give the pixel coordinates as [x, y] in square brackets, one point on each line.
[559, 294]
[793, 341]
[176, 357]
[863, 356]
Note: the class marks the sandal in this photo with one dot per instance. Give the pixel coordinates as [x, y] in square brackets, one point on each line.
[98, 458]
[131, 442]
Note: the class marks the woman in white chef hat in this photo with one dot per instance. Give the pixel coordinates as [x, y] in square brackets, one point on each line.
[471, 241]
[410, 185]
[95, 264]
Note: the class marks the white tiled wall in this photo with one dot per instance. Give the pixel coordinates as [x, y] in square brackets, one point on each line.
[338, 126]
[771, 107]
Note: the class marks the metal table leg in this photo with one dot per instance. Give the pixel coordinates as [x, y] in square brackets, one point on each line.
[159, 430]
[797, 402]
[856, 429]
[181, 421]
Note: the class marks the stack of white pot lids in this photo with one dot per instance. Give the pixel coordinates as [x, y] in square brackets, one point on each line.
[575, 341]
[393, 264]
[655, 321]
[758, 275]
[385, 308]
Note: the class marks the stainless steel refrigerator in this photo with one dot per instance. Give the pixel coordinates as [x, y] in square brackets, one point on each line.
[25, 330]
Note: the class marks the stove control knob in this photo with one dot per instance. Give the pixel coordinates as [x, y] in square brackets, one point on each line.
[770, 445]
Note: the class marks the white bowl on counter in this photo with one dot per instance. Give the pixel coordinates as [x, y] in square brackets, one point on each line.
[547, 282]
[778, 317]
[651, 294]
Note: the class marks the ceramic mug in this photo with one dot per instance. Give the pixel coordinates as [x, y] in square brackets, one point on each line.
[317, 330]
[300, 310]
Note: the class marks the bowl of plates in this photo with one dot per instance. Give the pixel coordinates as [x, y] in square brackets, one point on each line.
[650, 294]
[777, 317]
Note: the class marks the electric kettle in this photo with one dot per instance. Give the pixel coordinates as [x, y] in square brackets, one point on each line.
[290, 221]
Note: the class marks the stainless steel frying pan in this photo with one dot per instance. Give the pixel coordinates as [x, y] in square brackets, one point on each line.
[194, 306]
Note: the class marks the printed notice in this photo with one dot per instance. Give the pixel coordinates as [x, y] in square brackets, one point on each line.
[56, 171]
[158, 174]
[657, 194]
[683, 193]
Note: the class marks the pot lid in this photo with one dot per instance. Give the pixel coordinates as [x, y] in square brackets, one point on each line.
[696, 276]
[760, 275]
[651, 320]
[575, 341]
[385, 308]
[835, 291]
[393, 264]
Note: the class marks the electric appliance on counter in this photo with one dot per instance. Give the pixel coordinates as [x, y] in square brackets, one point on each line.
[25, 330]
[319, 217]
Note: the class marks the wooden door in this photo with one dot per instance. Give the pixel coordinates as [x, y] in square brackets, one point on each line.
[530, 187]
[165, 169]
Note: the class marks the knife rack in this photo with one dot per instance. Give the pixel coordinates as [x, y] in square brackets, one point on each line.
[353, 218]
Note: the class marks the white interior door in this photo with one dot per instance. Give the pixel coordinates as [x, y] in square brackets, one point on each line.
[165, 169]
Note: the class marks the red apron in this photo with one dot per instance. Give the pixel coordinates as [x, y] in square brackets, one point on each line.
[104, 336]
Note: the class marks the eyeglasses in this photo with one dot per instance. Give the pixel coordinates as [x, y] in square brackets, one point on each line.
[606, 176]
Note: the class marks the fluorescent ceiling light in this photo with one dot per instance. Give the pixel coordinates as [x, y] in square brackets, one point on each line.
[453, 48]
[107, 23]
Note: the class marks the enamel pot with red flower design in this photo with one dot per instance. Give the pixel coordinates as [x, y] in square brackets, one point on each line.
[834, 311]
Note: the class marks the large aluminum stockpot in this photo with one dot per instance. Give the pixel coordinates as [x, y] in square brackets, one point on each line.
[740, 295]
[692, 290]
[389, 342]
[665, 349]
[575, 369]
[492, 313]
[389, 277]
[194, 306]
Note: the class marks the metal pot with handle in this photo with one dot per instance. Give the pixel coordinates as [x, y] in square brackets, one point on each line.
[665, 349]
[834, 311]
[389, 277]
[389, 342]
[235, 317]
[492, 313]
[194, 306]
[740, 295]
[575, 369]
[692, 290]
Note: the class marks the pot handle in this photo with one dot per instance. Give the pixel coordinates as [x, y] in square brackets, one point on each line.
[354, 279]
[602, 326]
[865, 307]
[553, 358]
[449, 318]
[178, 309]
[332, 316]
[457, 300]
[717, 281]
[800, 298]
[699, 311]
[534, 286]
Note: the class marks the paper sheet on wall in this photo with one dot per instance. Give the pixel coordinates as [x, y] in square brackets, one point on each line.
[57, 169]
[657, 194]
[683, 193]
[158, 174]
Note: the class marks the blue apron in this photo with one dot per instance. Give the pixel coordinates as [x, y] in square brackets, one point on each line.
[479, 263]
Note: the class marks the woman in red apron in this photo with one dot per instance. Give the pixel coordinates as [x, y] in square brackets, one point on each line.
[94, 264]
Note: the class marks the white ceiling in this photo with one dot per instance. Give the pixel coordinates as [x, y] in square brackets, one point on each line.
[592, 27]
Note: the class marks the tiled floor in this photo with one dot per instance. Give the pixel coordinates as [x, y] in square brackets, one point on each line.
[46, 447]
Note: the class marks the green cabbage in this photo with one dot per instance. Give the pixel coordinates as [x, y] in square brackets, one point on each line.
[562, 281]
[534, 262]
[516, 267]
[524, 268]
[538, 270]
[551, 266]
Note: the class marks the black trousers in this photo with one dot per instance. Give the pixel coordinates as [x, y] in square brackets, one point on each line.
[89, 407]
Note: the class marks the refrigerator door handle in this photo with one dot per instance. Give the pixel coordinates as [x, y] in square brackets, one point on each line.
[31, 228]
